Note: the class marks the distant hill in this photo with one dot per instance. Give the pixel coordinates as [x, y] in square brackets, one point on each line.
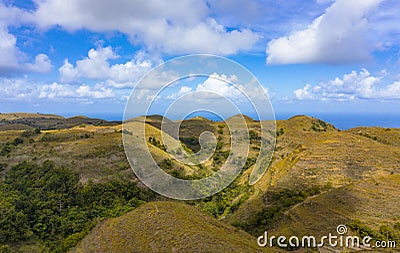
[24, 121]
[167, 227]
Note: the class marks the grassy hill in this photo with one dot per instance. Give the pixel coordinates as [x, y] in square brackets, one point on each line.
[166, 227]
[319, 176]
[27, 121]
[322, 177]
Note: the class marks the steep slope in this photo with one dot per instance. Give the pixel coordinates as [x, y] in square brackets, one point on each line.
[166, 227]
[374, 202]
[322, 177]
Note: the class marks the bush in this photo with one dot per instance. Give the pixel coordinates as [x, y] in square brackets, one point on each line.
[397, 226]
[18, 141]
[29, 133]
[254, 136]
[362, 229]
[280, 132]
[277, 202]
[49, 203]
[5, 249]
[5, 150]
[3, 166]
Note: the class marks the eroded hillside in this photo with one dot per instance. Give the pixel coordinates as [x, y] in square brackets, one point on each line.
[319, 176]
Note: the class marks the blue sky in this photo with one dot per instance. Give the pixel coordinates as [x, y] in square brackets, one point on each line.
[85, 56]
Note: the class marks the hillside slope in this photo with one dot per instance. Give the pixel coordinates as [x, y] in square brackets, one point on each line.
[319, 176]
[166, 227]
[322, 177]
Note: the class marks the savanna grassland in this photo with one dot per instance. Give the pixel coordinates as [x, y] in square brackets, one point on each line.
[66, 185]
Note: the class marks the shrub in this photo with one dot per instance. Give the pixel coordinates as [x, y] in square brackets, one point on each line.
[18, 141]
[49, 203]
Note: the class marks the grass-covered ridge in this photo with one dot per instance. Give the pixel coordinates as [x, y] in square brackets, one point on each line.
[166, 227]
[319, 177]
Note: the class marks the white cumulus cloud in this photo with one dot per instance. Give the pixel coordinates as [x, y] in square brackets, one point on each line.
[11, 60]
[57, 90]
[340, 35]
[96, 66]
[180, 26]
[361, 85]
[218, 86]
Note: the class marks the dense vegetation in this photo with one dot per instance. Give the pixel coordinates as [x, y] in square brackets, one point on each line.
[384, 233]
[276, 203]
[226, 201]
[49, 204]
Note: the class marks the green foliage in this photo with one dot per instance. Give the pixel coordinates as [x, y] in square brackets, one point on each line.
[5, 249]
[250, 161]
[219, 145]
[60, 137]
[277, 202]
[49, 203]
[397, 226]
[361, 229]
[18, 141]
[191, 142]
[319, 125]
[228, 200]
[384, 233]
[6, 149]
[220, 156]
[3, 166]
[156, 143]
[179, 173]
[29, 133]
[166, 164]
[281, 132]
[254, 137]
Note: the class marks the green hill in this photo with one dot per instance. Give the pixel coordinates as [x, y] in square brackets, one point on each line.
[26, 121]
[319, 176]
[166, 227]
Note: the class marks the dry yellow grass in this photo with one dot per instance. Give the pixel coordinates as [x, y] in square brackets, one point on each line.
[167, 227]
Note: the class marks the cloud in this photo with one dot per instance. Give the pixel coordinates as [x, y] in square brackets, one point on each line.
[340, 35]
[392, 91]
[159, 25]
[17, 88]
[182, 91]
[57, 90]
[385, 25]
[361, 85]
[41, 64]
[11, 15]
[218, 85]
[8, 49]
[11, 57]
[96, 66]
[25, 89]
